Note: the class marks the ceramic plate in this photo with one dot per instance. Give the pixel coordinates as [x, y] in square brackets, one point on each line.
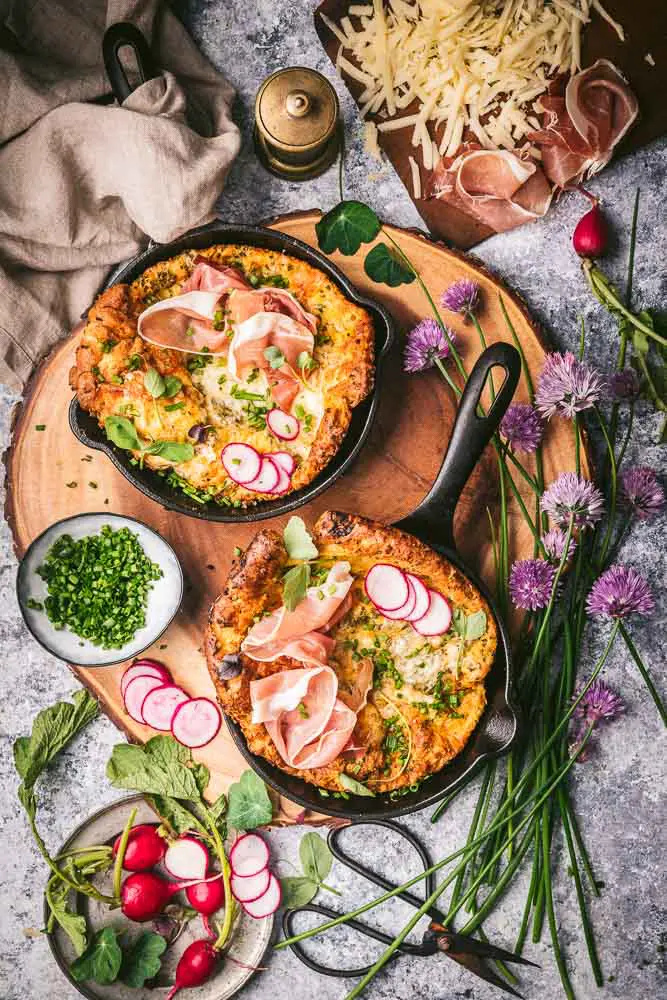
[250, 944]
[164, 598]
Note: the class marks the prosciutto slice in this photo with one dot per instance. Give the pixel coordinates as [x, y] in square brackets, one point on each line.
[497, 187]
[209, 276]
[583, 120]
[184, 323]
[244, 304]
[313, 648]
[252, 337]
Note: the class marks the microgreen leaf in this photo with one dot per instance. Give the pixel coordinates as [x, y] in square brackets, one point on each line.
[171, 451]
[295, 585]
[316, 858]
[386, 267]
[154, 383]
[346, 227]
[354, 786]
[122, 433]
[249, 804]
[142, 959]
[469, 627]
[305, 361]
[172, 385]
[298, 541]
[274, 356]
[101, 961]
[297, 890]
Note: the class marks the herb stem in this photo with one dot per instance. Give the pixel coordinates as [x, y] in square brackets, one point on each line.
[120, 856]
[634, 653]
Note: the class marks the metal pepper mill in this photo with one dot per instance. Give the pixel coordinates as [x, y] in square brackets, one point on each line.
[297, 133]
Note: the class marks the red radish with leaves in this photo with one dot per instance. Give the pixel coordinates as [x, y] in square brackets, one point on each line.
[187, 859]
[143, 895]
[590, 236]
[195, 966]
[145, 848]
[206, 897]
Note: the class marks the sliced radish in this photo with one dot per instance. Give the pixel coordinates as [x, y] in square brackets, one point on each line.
[283, 425]
[249, 855]
[196, 722]
[242, 463]
[250, 888]
[135, 692]
[267, 903]
[143, 668]
[186, 859]
[284, 480]
[437, 619]
[268, 478]
[387, 587]
[284, 460]
[422, 598]
[159, 706]
[405, 609]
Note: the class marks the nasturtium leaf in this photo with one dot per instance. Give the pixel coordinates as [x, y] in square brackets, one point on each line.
[297, 891]
[385, 266]
[316, 858]
[346, 227]
[354, 786]
[154, 383]
[142, 959]
[248, 803]
[295, 585]
[122, 433]
[100, 961]
[298, 541]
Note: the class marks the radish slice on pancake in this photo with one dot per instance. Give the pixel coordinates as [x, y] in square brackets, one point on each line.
[437, 619]
[268, 478]
[283, 425]
[387, 587]
[405, 609]
[422, 598]
[242, 462]
[284, 460]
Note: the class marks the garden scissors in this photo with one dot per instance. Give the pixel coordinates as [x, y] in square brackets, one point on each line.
[467, 951]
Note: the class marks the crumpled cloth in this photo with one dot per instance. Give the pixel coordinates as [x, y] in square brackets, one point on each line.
[84, 186]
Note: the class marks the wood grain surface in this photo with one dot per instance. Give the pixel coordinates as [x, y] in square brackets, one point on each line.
[395, 469]
[645, 25]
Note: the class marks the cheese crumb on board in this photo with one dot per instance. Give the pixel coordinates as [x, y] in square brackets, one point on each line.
[447, 68]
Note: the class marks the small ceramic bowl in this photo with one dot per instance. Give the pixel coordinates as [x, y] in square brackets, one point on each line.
[164, 598]
[250, 943]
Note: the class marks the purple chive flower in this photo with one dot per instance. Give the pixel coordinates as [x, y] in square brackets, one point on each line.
[567, 386]
[570, 495]
[642, 492]
[531, 581]
[554, 545]
[426, 342]
[600, 704]
[623, 385]
[523, 427]
[461, 297]
[620, 592]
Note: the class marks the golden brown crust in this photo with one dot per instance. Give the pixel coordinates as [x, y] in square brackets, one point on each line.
[111, 360]
[436, 735]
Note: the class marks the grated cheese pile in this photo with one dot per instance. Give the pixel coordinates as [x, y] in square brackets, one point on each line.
[470, 64]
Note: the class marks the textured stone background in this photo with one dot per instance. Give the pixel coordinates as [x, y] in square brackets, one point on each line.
[619, 795]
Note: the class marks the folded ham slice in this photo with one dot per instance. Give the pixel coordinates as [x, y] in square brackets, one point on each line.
[209, 276]
[185, 323]
[244, 304]
[313, 648]
[497, 187]
[311, 614]
[252, 337]
[583, 120]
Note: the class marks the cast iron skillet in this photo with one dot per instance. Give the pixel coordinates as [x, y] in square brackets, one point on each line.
[88, 431]
[123, 36]
[432, 522]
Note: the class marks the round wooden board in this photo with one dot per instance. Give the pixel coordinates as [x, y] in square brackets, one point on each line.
[395, 469]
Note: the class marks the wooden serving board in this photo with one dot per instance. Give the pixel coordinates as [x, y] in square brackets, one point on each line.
[645, 25]
[395, 469]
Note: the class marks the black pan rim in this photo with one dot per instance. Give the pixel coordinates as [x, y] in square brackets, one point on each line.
[410, 802]
[169, 497]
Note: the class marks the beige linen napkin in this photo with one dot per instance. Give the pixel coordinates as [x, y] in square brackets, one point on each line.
[83, 186]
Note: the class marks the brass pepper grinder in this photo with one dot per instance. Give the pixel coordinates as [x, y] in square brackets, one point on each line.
[297, 134]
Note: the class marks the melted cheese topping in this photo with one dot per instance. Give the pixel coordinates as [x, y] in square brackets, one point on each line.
[475, 65]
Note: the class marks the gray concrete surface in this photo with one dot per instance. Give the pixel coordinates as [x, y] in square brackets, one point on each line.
[619, 795]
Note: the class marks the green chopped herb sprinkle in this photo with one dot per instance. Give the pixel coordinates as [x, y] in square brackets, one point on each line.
[40, 427]
[98, 586]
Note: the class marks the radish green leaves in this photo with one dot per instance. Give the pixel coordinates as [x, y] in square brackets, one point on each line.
[249, 804]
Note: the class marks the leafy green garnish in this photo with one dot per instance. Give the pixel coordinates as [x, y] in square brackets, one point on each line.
[171, 451]
[171, 407]
[141, 961]
[346, 227]
[298, 541]
[297, 890]
[52, 730]
[354, 786]
[122, 433]
[73, 924]
[295, 585]
[316, 858]
[469, 627]
[159, 767]
[154, 383]
[249, 804]
[305, 361]
[172, 385]
[101, 961]
[384, 265]
[274, 356]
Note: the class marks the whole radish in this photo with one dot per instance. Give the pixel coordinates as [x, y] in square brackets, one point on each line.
[206, 897]
[145, 848]
[195, 966]
[143, 895]
[590, 235]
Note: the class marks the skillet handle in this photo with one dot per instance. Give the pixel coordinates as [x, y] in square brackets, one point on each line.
[433, 518]
[126, 35]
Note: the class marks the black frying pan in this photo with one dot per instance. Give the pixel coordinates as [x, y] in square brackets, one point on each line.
[432, 522]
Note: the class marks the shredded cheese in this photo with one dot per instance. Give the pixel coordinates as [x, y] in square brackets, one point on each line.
[416, 179]
[449, 68]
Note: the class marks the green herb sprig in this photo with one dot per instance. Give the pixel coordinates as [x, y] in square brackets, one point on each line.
[316, 861]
